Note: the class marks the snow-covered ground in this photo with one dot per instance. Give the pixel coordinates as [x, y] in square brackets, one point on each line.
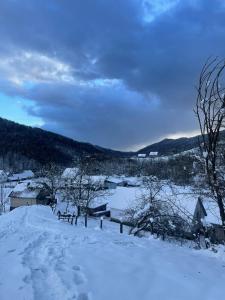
[46, 259]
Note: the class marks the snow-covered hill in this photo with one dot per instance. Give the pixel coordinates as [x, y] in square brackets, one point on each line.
[45, 259]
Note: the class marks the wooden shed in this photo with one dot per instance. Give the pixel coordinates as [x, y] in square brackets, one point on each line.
[202, 221]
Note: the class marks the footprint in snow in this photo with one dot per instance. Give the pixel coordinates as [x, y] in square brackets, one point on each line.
[78, 278]
[27, 279]
[61, 266]
[11, 251]
[76, 268]
[83, 296]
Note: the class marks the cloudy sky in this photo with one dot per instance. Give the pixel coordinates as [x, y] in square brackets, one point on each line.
[117, 73]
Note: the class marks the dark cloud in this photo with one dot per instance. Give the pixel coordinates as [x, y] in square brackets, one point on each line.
[102, 73]
[111, 116]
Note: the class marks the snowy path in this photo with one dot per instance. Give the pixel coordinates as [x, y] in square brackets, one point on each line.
[44, 259]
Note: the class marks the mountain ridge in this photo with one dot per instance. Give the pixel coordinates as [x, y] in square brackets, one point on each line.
[174, 146]
[35, 146]
[171, 146]
[32, 146]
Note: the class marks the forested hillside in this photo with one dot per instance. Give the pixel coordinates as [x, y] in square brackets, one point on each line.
[27, 147]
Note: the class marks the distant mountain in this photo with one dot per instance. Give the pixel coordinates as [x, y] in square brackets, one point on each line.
[23, 147]
[174, 146]
[171, 146]
[26, 146]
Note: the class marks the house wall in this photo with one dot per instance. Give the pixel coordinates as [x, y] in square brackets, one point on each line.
[42, 201]
[16, 202]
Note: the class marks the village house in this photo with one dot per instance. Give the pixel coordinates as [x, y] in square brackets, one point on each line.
[69, 175]
[108, 184]
[26, 174]
[29, 193]
[206, 218]
[112, 182]
[98, 210]
[131, 182]
[153, 154]
[142, 155]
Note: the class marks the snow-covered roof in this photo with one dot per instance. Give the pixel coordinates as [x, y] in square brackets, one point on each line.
[70, 173]
[135, 181]
[141, 155]
[98, 178]
[27, 190]
[116, 180]
[121, 199]
[153, 153]
[23, 175]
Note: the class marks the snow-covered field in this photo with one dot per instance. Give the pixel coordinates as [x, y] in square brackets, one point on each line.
[46, 259]
[184, 198]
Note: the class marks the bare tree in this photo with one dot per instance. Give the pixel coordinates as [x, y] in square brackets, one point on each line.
[3, 198]
[154, 214]
[82, 192]
[73, 188]
[210, 112]
[52, 178]
[83, 188]
[93, 189]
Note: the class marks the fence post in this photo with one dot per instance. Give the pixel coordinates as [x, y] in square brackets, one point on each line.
[85, 220]
[121, 227]
[101, 222]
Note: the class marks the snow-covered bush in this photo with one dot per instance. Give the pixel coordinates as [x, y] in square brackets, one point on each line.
[154, 214]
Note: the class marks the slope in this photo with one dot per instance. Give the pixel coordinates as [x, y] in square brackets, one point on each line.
[42, 258]
[20, 142]
[174, 146]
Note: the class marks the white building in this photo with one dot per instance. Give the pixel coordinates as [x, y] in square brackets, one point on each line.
[141, 155]
[153, 153]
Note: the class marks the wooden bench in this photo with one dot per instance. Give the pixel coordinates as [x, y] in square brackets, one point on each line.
[68, 217]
